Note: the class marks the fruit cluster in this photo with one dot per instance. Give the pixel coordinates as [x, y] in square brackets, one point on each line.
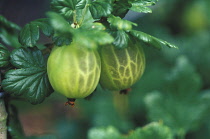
[75, 71]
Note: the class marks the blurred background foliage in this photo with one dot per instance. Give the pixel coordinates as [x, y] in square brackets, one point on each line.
[172, 99]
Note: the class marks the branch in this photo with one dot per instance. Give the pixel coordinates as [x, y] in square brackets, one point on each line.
[3, 120]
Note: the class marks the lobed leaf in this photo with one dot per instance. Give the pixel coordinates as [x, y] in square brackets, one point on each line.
[29, 35]
[185, 74]
[121, 38]
[4, 23]
[180, 106]
[4, 56]
[26, 58]
[63, 30]
[100, 9]
[92, 38]
[141, 5]
[136, 7]
[67, 7]
[153, 130]
[120, 24]
[143, 2]
[62, 39]
[104, 133]
[150, 40]
[97, 26]
[30, 80]
[9, 32]
[121, 8]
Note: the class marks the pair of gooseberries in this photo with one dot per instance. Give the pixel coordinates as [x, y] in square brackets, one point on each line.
[75, 71]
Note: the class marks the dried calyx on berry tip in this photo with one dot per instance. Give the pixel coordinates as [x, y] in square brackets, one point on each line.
[71, 102]
[125, 91]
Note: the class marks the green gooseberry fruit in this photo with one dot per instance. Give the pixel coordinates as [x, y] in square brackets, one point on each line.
[73, 70]
[121, 68]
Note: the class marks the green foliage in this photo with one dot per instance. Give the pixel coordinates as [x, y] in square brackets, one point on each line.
[120, 24]
[121, 7]
[121, 38]
[68, 8]
[43, 137]
[119, 30]
[180, 107]
[94, 23]
[90, 38]
[150, 131]
[199, 55]
[30, 34]
[14, 127]
[139, 8]
[4, 56]
[7, 24]
[62, 29]
[100, 9]
[30, 79]
[81, 14]
[150, 40]
[141, 5]
[104, 133]
[8, 32]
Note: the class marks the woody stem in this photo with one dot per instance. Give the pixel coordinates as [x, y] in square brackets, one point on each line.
[3, 120]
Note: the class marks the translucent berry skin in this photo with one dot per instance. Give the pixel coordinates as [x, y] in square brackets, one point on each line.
[74, 71]
[121, 68]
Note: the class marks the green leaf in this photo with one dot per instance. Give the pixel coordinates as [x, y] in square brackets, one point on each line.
[180, 114]
[9, 38]
[101, 37]
[92, 38]
[152, 131]
[120, 8]
[199, 55]
[30, 34]
[9, 32]
[100, 9]
[89, 35]
[4, 56]
[62, 39]
[120, 24]
[121, 38]
[63, 30]
[183, 78]
[104, 133]
[150, 40]
[4, 23]
[43, 137]
[180, 106]
[30, 80]
[67, 7]
[14, 127]
[58, 23]
[97, 26]
[136, 7]
[143, 2]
